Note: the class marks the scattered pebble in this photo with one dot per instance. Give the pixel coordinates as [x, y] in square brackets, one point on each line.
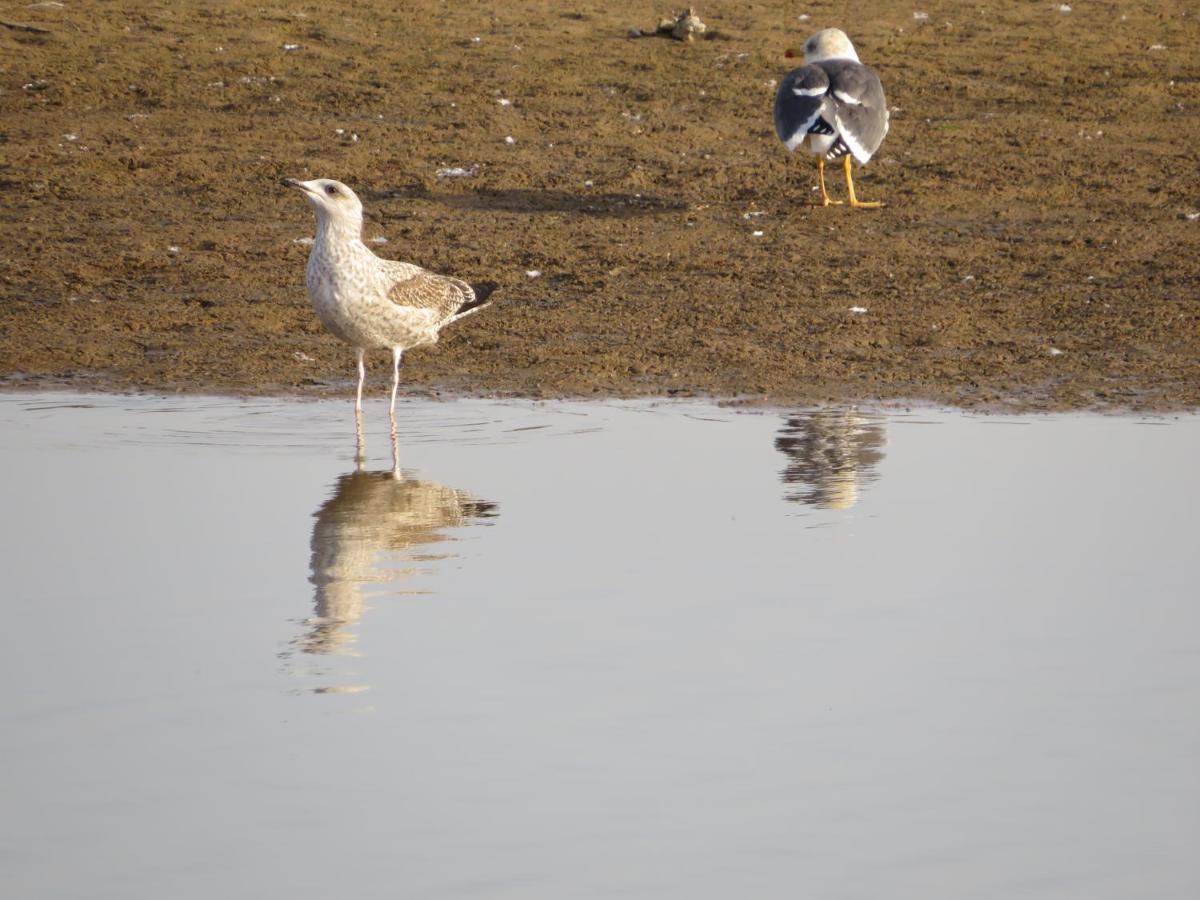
[70, 137]
[476, 40]
[173, 249]
[757, 234]
[803, 17]
[967, 279]
[1063, 8]
[1054, 351]
[301, 356]
[39, 84]
[504, 102]
[588, 184]
[290, 47]
[379, 239]
[1156, 47]
[921, 16]
[456, 172]
[534, 273]
[753, 214]
[1192, 217]
[509, 139]
[303, 242]
[858, 310]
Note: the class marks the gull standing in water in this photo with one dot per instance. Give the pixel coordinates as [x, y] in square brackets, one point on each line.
[370, 302]
[834, 105]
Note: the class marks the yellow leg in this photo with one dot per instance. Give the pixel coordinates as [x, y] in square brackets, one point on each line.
[854, 201]
[825, 201]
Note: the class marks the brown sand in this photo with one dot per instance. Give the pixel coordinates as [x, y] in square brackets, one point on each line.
[1036, 247]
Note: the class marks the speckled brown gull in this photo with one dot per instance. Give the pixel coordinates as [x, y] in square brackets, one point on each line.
[370, 302]
[833, 105]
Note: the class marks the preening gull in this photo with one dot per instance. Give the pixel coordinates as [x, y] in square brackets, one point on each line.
[834, 105]
[370, 302]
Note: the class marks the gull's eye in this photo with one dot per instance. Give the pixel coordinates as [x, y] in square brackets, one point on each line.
[330, 190]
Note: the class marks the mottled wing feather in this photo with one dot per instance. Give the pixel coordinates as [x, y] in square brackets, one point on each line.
[798, 105]
[857, 107]
[439, 295]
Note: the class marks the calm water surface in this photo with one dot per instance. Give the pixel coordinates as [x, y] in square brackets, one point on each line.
[588, 651]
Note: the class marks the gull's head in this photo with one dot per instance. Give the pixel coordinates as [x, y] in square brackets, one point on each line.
[332, 200]
[831, 43]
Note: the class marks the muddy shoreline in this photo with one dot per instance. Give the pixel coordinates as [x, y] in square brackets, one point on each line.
[1040, 247]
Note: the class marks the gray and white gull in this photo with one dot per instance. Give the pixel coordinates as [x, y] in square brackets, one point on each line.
[834, 105]
[371, 302]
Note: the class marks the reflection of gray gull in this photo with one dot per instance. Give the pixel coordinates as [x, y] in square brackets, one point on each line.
[373, 521]
[830, 452]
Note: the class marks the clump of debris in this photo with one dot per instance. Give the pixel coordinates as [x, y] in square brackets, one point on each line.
[683, 26]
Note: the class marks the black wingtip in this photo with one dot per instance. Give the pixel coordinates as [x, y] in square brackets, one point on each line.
[483, 290]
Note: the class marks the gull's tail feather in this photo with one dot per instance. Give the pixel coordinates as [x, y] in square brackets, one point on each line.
[482, 291]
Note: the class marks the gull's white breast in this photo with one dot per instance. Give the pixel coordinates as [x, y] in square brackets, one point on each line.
[348, 288]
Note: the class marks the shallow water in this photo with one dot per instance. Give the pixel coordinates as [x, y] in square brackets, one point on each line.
[582, 651]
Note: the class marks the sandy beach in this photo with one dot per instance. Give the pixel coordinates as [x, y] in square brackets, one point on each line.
[1040, 246]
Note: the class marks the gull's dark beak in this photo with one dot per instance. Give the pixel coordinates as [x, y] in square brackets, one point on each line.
[310, 193]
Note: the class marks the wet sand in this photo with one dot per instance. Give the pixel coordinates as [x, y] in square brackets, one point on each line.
[1036, 248]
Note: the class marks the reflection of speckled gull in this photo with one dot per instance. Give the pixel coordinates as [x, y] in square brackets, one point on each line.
[374, 530]
[370, 302]
[833, 105]
[830, 453]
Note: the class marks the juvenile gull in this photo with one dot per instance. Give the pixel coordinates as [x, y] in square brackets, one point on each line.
[834, 105]
[370, 302]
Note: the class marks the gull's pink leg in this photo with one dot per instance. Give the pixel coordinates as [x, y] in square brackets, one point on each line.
[396, 354]
[362, 376]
